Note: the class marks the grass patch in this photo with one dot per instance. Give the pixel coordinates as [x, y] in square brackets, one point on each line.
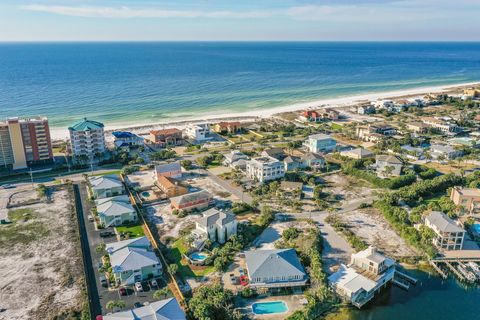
[131, 231]
[24, 214]
[117, 172]
[22, 233]
[179, 248]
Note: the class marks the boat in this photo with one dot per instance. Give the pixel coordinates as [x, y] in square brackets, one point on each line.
[475, 268]
[470, 276]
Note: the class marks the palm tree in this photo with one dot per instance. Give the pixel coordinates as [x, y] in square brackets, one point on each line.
[161, 293]
[115, 304]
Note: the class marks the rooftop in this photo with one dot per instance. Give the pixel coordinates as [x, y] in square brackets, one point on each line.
[273, 263]
[165, 131]
[320, 136]
[442, 222]
[214, 216]
[388, 158]
[191, 197]
[167, 309]
[86, 125]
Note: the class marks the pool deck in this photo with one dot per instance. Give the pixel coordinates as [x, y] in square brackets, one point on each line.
[293, 302]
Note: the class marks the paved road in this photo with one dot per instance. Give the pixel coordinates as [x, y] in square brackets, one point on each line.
[237, 191]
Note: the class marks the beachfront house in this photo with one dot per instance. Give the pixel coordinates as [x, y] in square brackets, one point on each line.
[133, 260]
[115, 211]
[105, 186]
[235, 159]
[125, 139]
[191, 201]
[310, 116]
[170, 170]
[467, 198]
[167, 309]
[228, 127]
[198, 132]
[366, 109]
[320, 143]
[449, 235]
[216, 225]
[357, 154]
[166, 138]
[277, 268]
[388, 166]
[368, 272]
[265, 169]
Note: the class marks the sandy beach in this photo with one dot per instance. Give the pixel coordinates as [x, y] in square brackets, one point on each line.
[144, 128]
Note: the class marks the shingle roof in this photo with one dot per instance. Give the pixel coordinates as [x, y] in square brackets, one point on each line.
[274, 152]
[273, 263]
[388, 158]
[443, 222]
[361, 152]
[214, 216]
[86, 125]
[169, 167]
[348, 278]
[167, 309]
[189, 197]
[320, 136]
[165, 131]
[311, 156]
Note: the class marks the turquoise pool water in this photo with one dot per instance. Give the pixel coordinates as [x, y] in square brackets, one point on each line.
[146, 194]
[269, 307]
[476, 228]
[198, 256]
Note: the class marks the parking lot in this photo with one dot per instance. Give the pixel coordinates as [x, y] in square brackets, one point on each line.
[130, 296]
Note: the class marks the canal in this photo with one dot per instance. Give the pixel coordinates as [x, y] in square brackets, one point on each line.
[432, 298]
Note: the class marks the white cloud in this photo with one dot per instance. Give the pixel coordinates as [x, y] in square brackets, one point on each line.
[126, 12]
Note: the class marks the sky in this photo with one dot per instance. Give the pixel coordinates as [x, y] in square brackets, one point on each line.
[240, 20]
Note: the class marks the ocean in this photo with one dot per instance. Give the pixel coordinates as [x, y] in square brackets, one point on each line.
[142, 83]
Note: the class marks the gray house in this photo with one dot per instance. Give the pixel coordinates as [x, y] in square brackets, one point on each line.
[275, 269]
[217, 225]
[167, 309]
[388, 166]
[115, 211]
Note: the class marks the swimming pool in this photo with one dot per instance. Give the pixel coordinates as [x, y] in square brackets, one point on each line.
[198, 256]
[145, 194]
[269, 307]
[476, 228]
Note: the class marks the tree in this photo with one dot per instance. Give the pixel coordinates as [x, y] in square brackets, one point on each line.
[41, 191]
[212, 302]
[161, 293]
[115, 304]
[172, 268]
[100, 249]
[186, 164]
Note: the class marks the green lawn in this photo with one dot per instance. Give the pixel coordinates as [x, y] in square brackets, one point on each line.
[20, 214]
[132, 231]
[108, 173]
[176, 252]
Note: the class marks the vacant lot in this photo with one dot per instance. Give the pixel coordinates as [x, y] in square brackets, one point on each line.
[41, 268]
[168, 225]
[369, 225]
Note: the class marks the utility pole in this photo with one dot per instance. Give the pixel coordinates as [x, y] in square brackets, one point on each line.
[31, 176]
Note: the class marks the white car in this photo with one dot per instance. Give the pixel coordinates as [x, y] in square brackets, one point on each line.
[154, 283]
[138, 286]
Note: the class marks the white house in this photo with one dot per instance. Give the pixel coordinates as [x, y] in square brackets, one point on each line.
[198, 132]
[320, 143]
[445, 151]
[167, 309]
[235, 159]
[264, 169]
[216, 225]
[368, 272]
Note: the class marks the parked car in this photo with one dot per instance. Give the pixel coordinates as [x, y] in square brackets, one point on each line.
[90, 218]
[8, 186]
[122, 291]
[137, 305]
[241, 271]
[138, 286]
[106, 233]
[233, 279]
[103, 281]
[154, 283]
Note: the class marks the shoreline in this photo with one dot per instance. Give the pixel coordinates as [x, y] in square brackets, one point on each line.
[337, 102]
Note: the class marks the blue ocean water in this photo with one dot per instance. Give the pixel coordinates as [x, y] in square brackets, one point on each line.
[153, 82]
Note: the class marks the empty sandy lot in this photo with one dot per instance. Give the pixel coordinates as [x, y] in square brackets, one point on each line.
[369, 225]
[41, 268]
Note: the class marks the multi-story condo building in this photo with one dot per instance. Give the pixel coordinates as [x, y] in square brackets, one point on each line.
[443, 125]
[24, 142]
[449, 235]
[265, 169]
[467, 198]
[320, 143]
[87, 138]
[198, 132]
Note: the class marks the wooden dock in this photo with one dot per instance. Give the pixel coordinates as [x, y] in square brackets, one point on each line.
[455, 271]
[438, 269]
